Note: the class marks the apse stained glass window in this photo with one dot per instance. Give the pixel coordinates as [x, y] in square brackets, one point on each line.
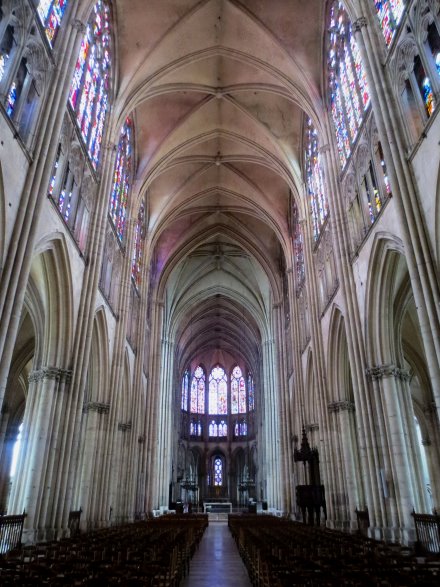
[348, 87]
[185, 389]
[122, 179]
[136, 263]
[238, 392]
[251, 392]
[90, 86]
[314, 179]
[240, 428]
[218, 391]
[51, 14]
[389, 13]
[197, 398]
[195, 428]
[298, 245]
[218, 471]
[222, 428]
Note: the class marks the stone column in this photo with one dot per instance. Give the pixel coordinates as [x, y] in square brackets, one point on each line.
[398, 484]
[35, 485]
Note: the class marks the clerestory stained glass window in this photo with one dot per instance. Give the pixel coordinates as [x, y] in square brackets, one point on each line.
[251, 392]
[314, 180]
[136, 263]
[298, 245]
[185, 389]
[90, 86]
[122, 179]
[389, 13]
[51, 13]
[238, 392]
[218, 391]
[197, 399]
[348, 87]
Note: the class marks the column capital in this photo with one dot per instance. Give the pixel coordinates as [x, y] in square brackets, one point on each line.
[78, 25]
[341, 406]
[359, 23]
[324, 148]
[380, 371]
[55, 373]
[123, 427]
[98, 407]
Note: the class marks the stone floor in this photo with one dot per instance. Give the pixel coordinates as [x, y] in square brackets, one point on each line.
[217, 562]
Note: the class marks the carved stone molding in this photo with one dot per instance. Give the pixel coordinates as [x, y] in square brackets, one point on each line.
[98, 407]
[381, 371]
[123, 427]
[341, 406]
[56, 373]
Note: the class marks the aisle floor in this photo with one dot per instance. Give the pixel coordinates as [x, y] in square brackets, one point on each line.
[217, 562]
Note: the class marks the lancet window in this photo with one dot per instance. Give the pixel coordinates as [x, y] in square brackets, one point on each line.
[218, 391]
[298, 245]
[348, 87]
[389, 13]
[315, 180]
[138, 248]
[197, 399]
[51, 13]
[122, 179]
[238, 392]
[185, 390]
[218, 472]
[90, 87]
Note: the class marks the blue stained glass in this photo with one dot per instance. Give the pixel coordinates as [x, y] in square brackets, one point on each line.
[122, 179]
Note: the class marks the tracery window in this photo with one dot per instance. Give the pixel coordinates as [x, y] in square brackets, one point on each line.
[348, 87]
[51, 13]
[138, 248]
[218, 391]
[89, 90]
[389, 13]
[238, 392]
[251, 392]
[218, 471]
[195, 428]
[298, 245]
[185, 389]
[240, 428]
[197, 399]
[122, 179]
[314, 180]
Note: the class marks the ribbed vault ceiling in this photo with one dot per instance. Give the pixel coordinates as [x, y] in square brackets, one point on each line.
[218, 90]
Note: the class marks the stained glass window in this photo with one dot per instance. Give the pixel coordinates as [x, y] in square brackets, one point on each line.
[195, 428]
[90, 85]
[136, 263]
[348, 87]
[197, 399]
[51, 13]
[298, 245]
[218, 391]
[122, 179]
[213, 428]
[240, 428]
[314, 180]
[389, 13]
[238, 392]
[434, 44]
[218, 471]
[185, 389]
[222, 428]
[425, 87]
[251, 392]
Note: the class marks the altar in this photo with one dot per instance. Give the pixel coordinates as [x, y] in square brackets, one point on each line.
[217, 507]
